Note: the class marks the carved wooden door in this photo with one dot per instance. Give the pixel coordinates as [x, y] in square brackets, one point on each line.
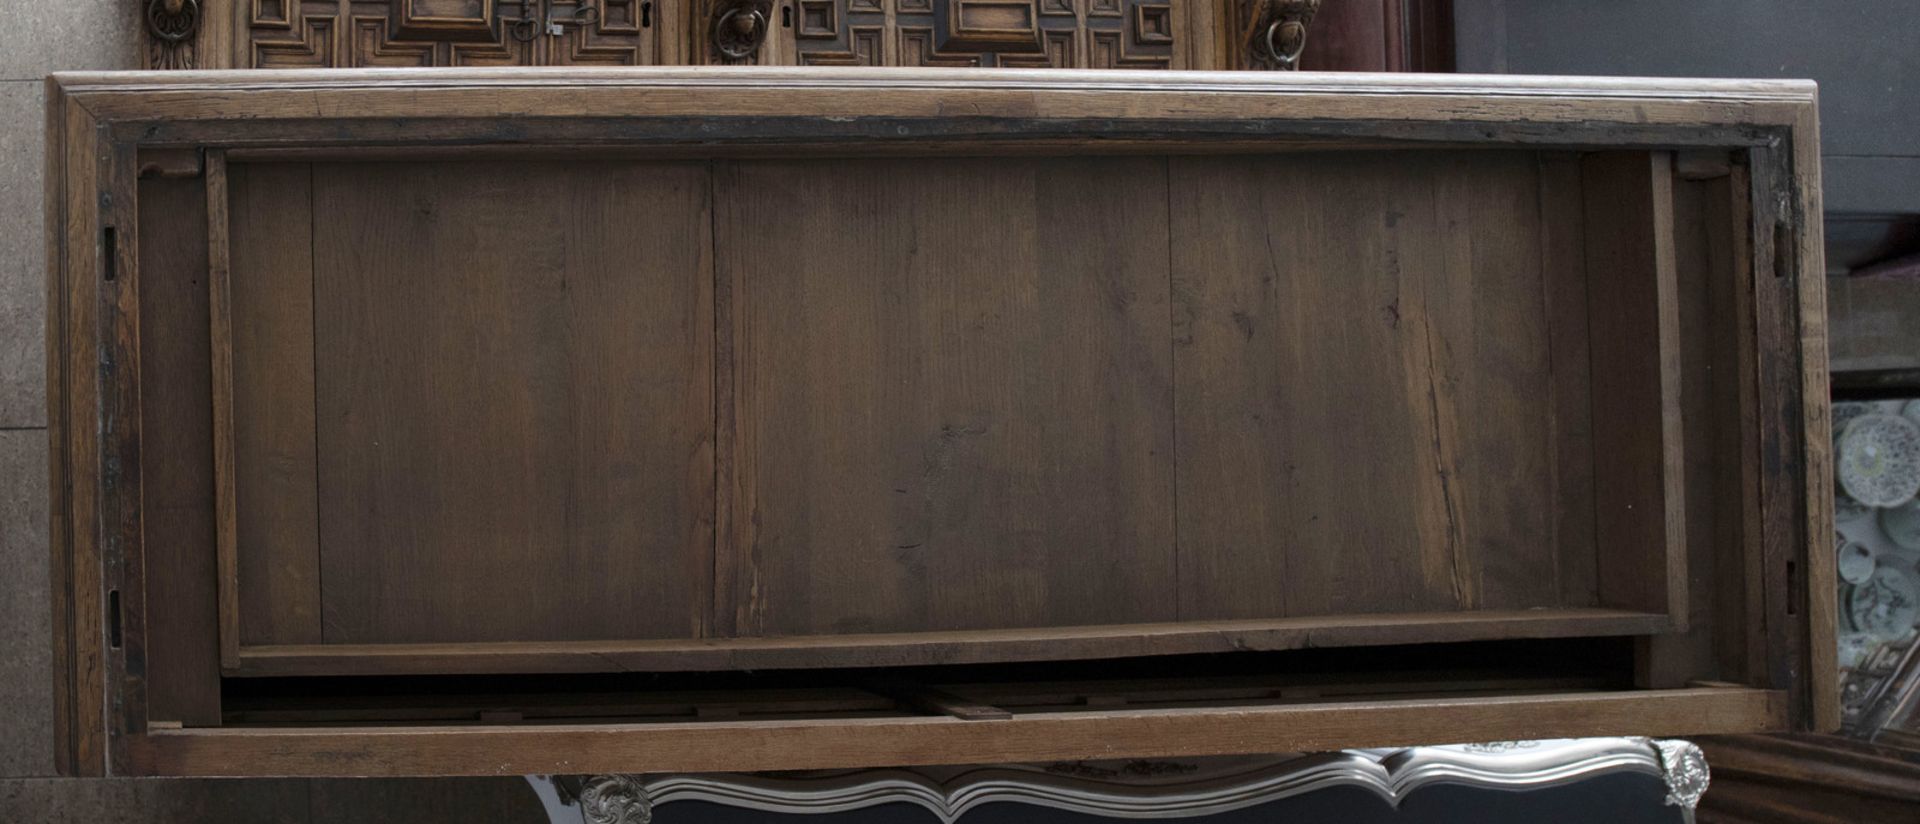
[1372, 35]
[272, 34]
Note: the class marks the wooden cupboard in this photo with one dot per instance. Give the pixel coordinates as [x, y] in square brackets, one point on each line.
[1322, 35]
[460, 421]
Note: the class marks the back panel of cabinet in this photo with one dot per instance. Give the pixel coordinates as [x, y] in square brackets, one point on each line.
[471, 403]
[477, 402]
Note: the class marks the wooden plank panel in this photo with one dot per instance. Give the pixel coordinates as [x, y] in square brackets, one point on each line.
[864, 742]
[218, 191]
[1564, 273]
[514, 405]
[1634, 317]
[952, 393]
[183, 655]
[276, 531]
[1708, 359]
[1363, 405]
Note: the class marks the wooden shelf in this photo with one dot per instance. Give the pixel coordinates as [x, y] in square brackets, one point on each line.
[941, 648]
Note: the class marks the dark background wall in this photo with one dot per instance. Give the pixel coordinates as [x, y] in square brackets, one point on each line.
[1865, 54]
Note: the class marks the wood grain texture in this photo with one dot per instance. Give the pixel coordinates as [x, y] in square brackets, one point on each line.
[1633, 317]
[1516, 108]
[183, 669]
[1708, 278]
[514, 407]
[1386, 306]
[1563, 269]
[960, 419]
[727, 746]
[217, 192]
[1823, 668]
[79, 690]
[270, 406]
[1808, 779]
[119, 520]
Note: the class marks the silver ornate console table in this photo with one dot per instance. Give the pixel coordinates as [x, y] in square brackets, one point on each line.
[1140, 789]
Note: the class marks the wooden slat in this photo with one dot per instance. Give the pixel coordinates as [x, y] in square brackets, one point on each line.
[1633, 317]
[1564, 288]
[1823, 669]
[220, 362]
[718, 746]
[183, 650]
[937, 648]
[271, 546]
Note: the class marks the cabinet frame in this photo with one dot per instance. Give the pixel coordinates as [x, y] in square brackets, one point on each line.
[101, 125]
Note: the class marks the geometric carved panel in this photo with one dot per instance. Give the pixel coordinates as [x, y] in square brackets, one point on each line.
[354, 33]
[1010, 33]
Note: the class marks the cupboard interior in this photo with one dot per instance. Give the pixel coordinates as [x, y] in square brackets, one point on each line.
[537, 415]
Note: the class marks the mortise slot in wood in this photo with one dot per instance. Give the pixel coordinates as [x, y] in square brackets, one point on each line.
[113, 618]
[936, 701]
[1783, 251]
[109, 253]
[1793, 589]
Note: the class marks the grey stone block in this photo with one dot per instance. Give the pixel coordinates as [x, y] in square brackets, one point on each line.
[23, 368]
[26, 645]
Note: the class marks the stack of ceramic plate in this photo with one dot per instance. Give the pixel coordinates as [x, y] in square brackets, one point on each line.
[1877, 459]
[1883, 607]
[1902, 525]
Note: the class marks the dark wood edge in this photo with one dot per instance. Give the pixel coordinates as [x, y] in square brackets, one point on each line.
[120, 518]
[220, 348]
[717, 746]
[1673, 468]
[68, 732]
[1821, 580]
[941, 648]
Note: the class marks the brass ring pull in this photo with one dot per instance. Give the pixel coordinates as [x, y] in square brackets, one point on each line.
[173, 21]
[738, 32]
[1295, 36]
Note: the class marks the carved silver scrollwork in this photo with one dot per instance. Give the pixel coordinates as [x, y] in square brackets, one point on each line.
[615, 799]
[1684, 767]
[1168, 788]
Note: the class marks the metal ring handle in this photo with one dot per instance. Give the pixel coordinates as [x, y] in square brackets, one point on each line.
[735, 48]
[1291, 56]
[173, 21]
